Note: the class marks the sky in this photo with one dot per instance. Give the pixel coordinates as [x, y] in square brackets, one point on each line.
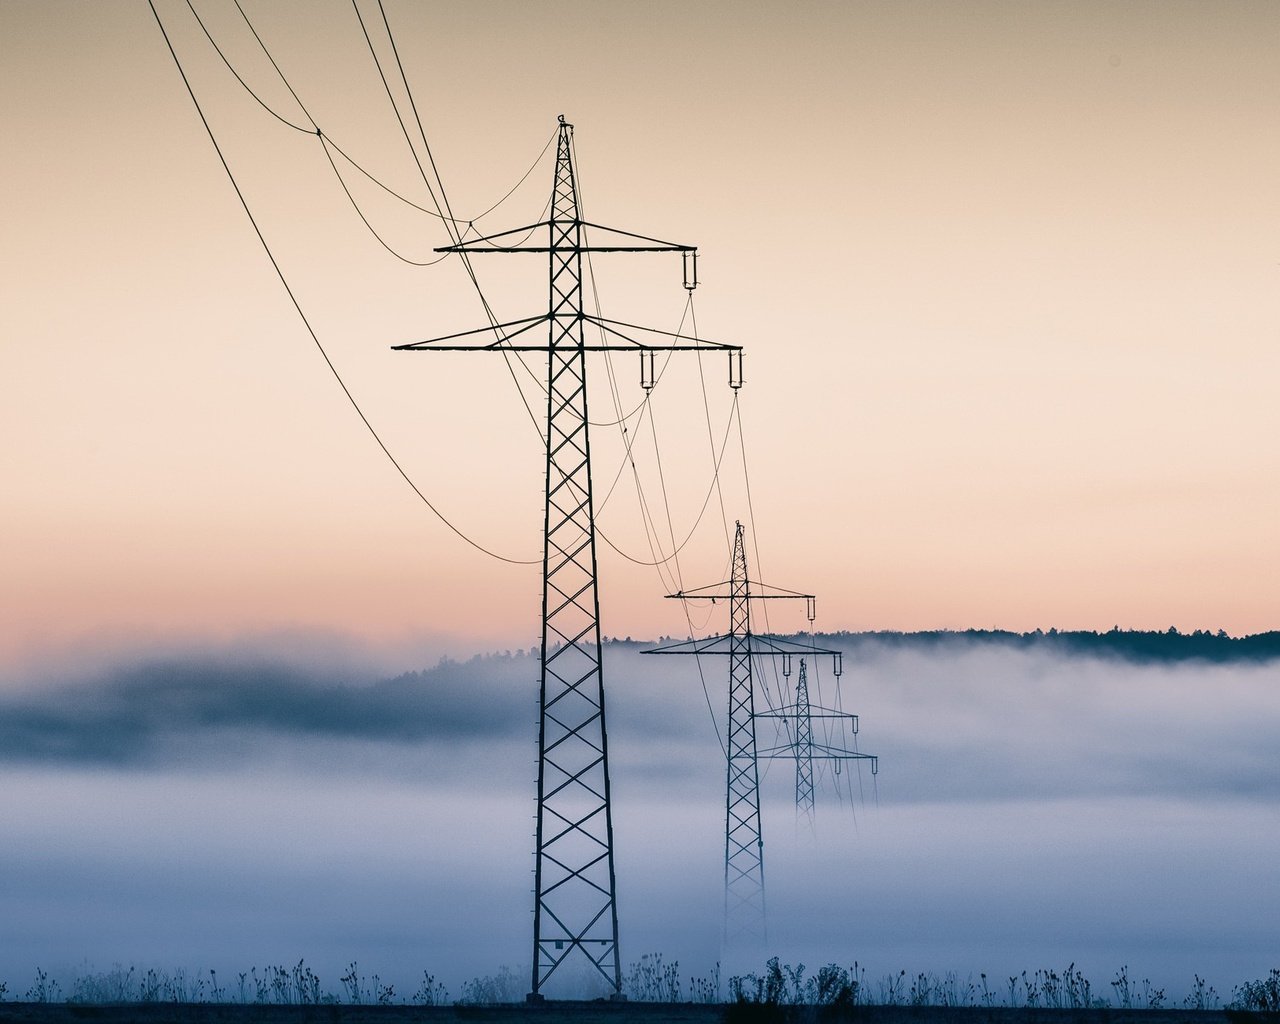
[1006, 279]
[1005, 275]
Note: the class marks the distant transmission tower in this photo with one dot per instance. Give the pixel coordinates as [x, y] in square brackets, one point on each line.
[744, 902]
[798, 718]
[804, 747]
[575, 907]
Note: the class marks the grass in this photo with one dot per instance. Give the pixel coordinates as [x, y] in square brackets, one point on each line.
[1046, 988]
[653, 979]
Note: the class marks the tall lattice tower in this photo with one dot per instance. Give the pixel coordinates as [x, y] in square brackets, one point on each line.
[804, 747]
[836, 744]
[744, 846]
[744, 891]
[575, 905]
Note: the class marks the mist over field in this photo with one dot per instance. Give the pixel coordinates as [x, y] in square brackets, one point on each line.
[1036, 806]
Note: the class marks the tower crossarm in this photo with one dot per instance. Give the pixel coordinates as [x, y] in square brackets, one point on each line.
[504, 335]
[756, 591]
[831, 753]
[790, 711]
[616, 240]
[820, 750]
[751, 644]
[757, 643]
[787, 752]
[691, 344]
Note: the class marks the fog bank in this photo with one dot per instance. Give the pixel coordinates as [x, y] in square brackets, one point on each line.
[1033, 809]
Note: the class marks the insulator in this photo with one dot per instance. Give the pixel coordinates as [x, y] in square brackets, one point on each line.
[838, 659]
[786, 665]
[735, 368]
[837, 766]
[690, 269]
[875, 766]
[811, 606]
[648, 377]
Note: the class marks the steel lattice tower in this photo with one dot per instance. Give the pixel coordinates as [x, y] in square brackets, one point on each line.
[744, 892]
[575, 905]
[804, 747]
[575, 817]
[798, 719]
[743, 843]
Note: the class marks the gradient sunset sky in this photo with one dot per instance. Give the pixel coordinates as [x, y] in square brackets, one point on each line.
[1007, 275]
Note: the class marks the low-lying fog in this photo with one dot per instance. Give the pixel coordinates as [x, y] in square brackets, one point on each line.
[1032, 810]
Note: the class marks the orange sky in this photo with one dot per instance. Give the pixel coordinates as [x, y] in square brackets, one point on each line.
[1006, 275]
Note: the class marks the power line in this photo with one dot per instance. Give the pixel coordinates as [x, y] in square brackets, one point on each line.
[628, 459]
[307, 323]
[628, 443]
[378, 181]
[444, 213]
[706, 501]
[716, 460]
[628, 438]
[409, 202]
[755, 543]
[675, 548]
[327, 143]
[450, 222]
[313, 130]
[316, 129]
[646, 405]
[372, 230]
[655, 546]
[706, 407]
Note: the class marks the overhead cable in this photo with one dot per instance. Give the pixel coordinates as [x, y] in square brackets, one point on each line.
[315, 129]
[302, 315]
[628, 459]
[706, 501]
[327, 143]
[751, 515]
[711, 441]
[441, 202]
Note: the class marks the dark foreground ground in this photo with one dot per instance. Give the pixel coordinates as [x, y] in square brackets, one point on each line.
[603, 1013]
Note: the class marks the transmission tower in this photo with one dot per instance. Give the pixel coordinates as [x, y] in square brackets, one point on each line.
[575, 906]
[799, 717]
[804, 747]
[744, 899]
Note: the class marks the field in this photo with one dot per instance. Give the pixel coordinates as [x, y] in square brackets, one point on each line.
[604, 1013]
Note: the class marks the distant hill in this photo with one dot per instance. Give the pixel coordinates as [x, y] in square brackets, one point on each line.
[1128, 644]
[1135, 645]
